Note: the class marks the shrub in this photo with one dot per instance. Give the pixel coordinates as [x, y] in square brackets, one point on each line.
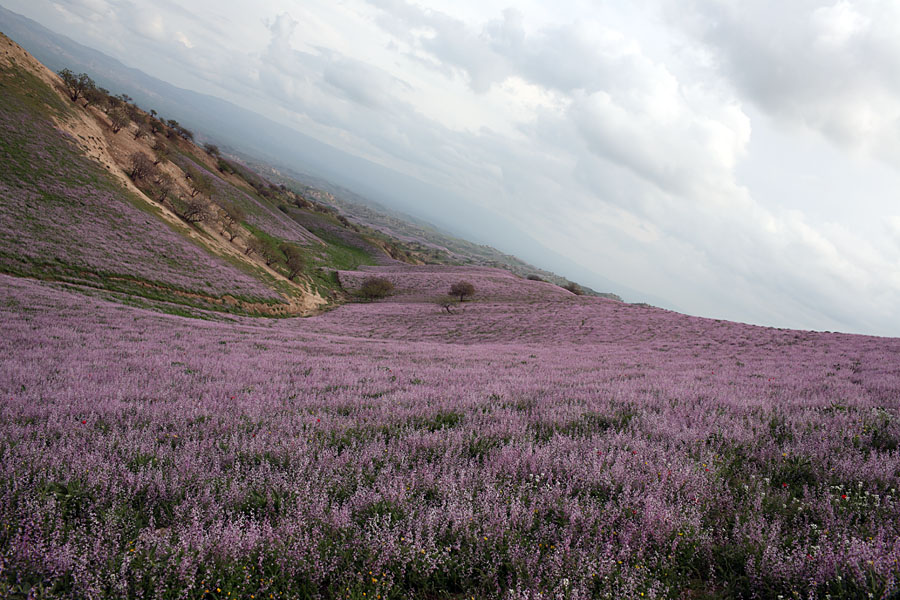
[376, 287]
[462, 290]
[574, 288]
[535, 278]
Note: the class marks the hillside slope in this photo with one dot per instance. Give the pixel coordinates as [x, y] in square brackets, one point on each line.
[97, 192]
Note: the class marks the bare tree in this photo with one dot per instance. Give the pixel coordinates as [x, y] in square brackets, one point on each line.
[76, 85]
[211, 149]
[231, 231]
[462, 289]
[118, 119]
[143, 129]
[165, 183]
[141, 165]
[447, 303]
[195, 210]
[233, 216]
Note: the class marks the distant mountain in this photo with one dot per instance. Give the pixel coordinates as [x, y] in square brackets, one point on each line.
[277, 144]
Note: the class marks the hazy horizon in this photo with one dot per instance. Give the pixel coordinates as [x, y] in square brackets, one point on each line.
[739, 161]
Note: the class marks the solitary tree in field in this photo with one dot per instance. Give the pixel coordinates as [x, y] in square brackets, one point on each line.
[373, 288]
[141, 166]
[118, 119]
[462, 290]
[211, 149]
[76, 85]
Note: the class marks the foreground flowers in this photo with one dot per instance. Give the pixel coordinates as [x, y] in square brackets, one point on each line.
[503, 452]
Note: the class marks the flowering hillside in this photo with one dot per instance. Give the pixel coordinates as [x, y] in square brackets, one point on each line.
[270, 220]
[63, 216]
[532, 444]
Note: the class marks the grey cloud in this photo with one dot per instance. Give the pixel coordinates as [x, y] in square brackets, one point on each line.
[830, 66]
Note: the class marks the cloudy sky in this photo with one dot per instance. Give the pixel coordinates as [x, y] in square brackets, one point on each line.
[737, 159]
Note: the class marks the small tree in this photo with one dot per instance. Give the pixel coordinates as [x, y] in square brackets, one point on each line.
[199, 183]
[155, 125]
[211, 149]
[161, 152]
[173, 127]
[373, 288]
[143, 130]
[234, 214]
[118, 119]
[233, 217]
[293, 260]
[134, 113]
[96, 96]
[76, 85]
[447, 303]
[164, 186]
[462, 290]
[195, 210]
[231, 231]
[264, 248]
[141, 166]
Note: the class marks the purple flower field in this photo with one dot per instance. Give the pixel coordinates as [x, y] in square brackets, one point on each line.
[534, 444]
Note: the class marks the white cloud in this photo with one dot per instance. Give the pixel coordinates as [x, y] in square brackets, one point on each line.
[829, 67]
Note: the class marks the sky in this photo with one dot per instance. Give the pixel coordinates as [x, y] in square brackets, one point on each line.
[740, 160]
